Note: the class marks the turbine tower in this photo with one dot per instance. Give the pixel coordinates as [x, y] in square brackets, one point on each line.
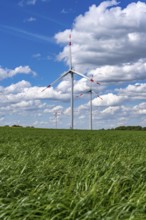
[56, 114]
[71, 71]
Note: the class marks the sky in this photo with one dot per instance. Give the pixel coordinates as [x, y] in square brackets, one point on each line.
[108, 44]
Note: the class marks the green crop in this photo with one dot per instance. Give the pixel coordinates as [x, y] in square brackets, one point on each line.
[72, 175]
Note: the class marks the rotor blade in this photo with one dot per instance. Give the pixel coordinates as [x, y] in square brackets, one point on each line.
[89, 91]
[80, 74]
[46, 88]
[100, 97]
[79, 95]
[70, 51]
[92, 80]
[86, 77]
[63, 75]
[96, 94]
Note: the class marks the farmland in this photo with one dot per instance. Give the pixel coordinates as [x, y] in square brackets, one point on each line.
[72, 175]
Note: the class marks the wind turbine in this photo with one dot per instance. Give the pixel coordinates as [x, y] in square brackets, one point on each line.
[56, 113]
[71, 71]
[91, 92]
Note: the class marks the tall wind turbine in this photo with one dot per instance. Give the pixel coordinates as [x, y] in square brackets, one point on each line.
[71, 71]
[91, 92]
[56, 113]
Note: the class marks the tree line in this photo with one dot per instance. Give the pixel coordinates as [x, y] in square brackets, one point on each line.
[135, 128]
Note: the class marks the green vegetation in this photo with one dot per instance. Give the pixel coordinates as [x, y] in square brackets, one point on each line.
[72, 175]
[136, 128]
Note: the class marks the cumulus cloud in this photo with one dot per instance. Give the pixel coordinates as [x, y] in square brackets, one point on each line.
[24, 100]
[8, 73]
[17, 87]
[82, 85]
[135, 91]
[115, 110]
[140, 108]
[109, 41]
[109, 99]
[53, 109]
[23, 90]
[121, 73]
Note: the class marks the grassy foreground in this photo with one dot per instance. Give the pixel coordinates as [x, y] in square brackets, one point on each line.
[72, 175]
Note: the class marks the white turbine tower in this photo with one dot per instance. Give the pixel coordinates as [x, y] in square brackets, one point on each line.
[71, 71]
[56, 114]
[91, 92]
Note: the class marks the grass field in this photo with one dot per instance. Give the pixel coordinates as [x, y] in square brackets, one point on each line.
[72, 175]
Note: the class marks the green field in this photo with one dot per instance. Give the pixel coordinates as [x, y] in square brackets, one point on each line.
[72, 175]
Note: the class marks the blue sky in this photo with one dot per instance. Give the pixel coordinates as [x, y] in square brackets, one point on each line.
[108, 42]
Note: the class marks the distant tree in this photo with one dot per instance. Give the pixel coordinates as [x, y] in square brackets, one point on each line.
[135, 128]
[18, 126]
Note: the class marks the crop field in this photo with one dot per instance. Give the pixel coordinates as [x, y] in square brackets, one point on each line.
[72, 175]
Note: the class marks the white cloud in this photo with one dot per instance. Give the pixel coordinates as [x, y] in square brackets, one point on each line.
[81, 85]
[109, 100]
[116, 111]
[37, 56]
[30, 2]
[109, 43]
[27, 2]
[67, 11]
[18, 87]
[2, 119]
[53, 109]
[30, 19]
[120, 73]
[140, 108]
[108, 37]
[22, 100]
[64, 85]
[23, 90]
[136, 91]
[7, 73]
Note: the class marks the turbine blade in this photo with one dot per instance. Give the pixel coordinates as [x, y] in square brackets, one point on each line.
[96, 95]
[89, 91]
[99, 97]
[86, 77]
[92, 80]
[63, 75]
[60, 77]
[80, 74]
[70, 51]
[77, 96]
[46, 88]
[94, 92]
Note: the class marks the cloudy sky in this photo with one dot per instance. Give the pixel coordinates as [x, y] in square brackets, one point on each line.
[108, 45]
